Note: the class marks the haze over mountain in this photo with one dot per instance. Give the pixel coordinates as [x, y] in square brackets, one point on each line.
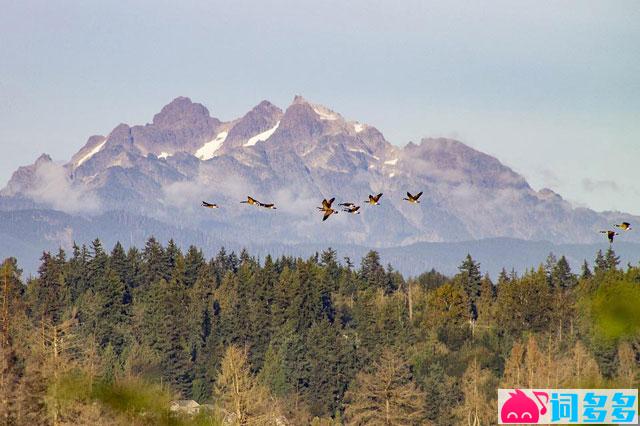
[149, 179]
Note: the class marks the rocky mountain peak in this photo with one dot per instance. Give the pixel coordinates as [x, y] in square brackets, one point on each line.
[181, 113]
[44, 158]
[255, 126]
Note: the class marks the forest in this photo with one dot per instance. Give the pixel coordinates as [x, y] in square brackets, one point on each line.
[106, 336]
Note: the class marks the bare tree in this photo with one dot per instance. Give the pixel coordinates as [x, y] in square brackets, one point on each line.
[386, 395]
[242, 400]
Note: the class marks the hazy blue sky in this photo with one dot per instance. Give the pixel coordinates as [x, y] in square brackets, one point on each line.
[552, 88]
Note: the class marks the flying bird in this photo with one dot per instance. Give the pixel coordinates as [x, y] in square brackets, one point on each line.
[625, 226]
[610, 235]
[353, 209]
[328, 212]
[252, 201]
[347, 205]
[268, 206]
[413, 198]
[374, 200]
[209, 205]
[326, 204]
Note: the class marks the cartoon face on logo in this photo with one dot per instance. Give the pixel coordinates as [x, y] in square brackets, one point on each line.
[519, 408]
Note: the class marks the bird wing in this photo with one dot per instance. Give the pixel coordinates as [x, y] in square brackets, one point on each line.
[205, 204]
[327, 213]
[252, 200]
[266, 205]
[356, 208]
[418, 195]
[626, 224]
[409, 195]
[327, 203]
[377, 197]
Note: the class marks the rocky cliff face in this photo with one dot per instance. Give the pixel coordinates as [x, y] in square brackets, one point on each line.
[162, 170]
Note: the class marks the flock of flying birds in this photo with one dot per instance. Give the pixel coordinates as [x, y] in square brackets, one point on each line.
[625, 226]
[374, 200]
[326, 207]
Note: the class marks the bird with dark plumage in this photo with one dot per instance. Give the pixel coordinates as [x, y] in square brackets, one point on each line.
[251, 201]
[347, 205]
[326, 204]
[413, 198]
[326, 208]
[374, 200]
[610, 235]
[625, 226]
[209, 205]
[327, 213]
[353, 209]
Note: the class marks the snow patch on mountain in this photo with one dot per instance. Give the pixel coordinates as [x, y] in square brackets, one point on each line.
[358, 127]
[325, 113]
[91, 153]
[208, 150]
[262, 136]
[164, 154]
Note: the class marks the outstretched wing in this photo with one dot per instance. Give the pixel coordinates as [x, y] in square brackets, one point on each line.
[377, 197]
[327, 203]
[205, 204]
[267, 205]
[355, 209]
[327, 214]
[418, 195]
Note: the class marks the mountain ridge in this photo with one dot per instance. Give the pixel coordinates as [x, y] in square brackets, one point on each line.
[295, 157]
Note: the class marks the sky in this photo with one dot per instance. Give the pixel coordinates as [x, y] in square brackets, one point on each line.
[551, 88]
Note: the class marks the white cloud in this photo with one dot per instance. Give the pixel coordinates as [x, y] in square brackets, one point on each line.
[52, 186]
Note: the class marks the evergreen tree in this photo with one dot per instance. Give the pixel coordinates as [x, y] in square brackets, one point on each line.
[586, 272]
[77, 272]
[107, 318]
[372, 273]
[119, 263]
[155, 263]
[611, 260]
[98, 262]
[46, 294]
[194, 264]
[524, 304]
[562, 277]
[549, 267]
[471, 280]
[600, 263]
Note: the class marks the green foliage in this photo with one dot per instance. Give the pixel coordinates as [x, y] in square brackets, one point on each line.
[136, 329]
[612, 309]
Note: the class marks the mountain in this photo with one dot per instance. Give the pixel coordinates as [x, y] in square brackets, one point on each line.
[159, 172]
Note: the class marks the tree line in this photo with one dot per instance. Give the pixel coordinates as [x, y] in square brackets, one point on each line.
[111, 337]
